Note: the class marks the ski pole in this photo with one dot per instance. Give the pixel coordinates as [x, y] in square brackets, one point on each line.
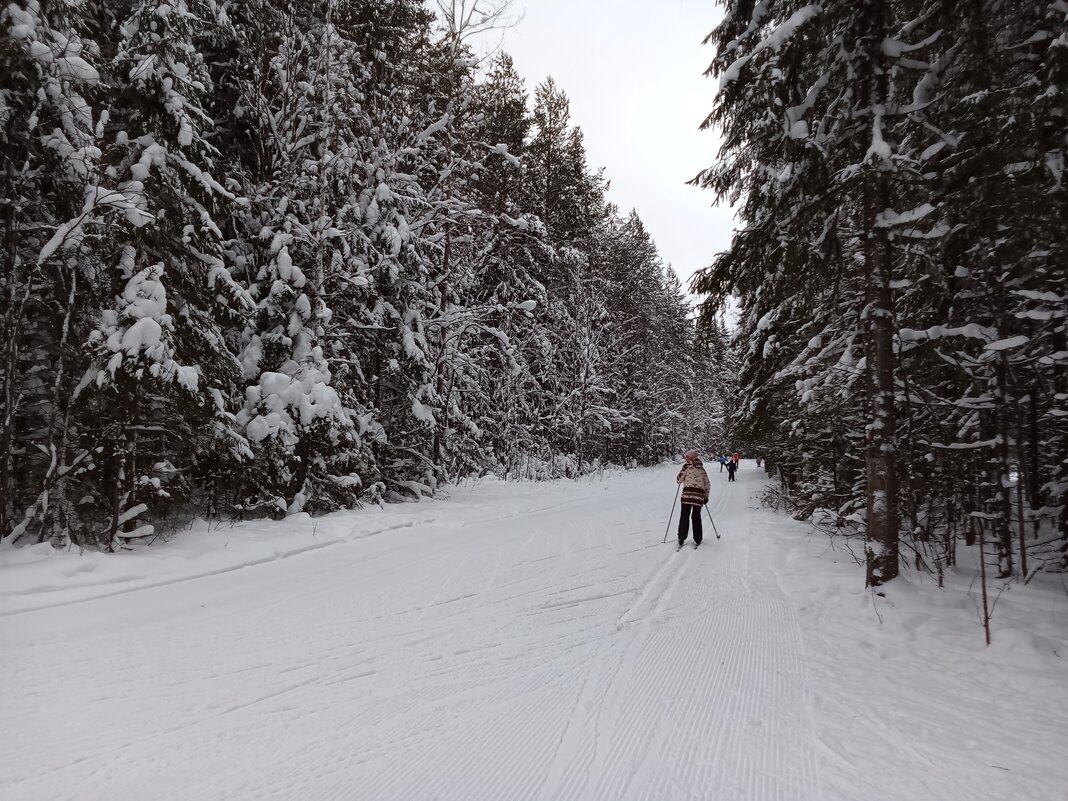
[710, 520]
[666, 530]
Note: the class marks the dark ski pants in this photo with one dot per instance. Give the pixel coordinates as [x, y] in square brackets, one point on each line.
[690, 510]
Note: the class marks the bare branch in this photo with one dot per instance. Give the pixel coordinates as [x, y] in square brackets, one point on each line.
[465, 20]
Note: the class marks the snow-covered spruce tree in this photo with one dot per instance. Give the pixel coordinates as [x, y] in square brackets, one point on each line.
[158, 405]
[798, 336]
[384, 306]
[467, 326]
[816, 140]
[654, 353]
[511, 251]
[993, 169]
[562, 191]
[576, 357]
[706, 413]
[301, 149]
[54, 201]
[592, 410]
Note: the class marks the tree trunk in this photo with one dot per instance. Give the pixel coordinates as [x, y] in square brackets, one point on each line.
[11, 354]
[1032, 471]
[439, 382]
[880, 454]
[878, 315]
[1002, 499]
[982, 580]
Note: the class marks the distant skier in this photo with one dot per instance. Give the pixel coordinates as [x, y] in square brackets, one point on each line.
[695, 487]
[732, 468]
[722, 462]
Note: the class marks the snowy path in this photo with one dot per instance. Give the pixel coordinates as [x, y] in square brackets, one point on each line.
[513, 645]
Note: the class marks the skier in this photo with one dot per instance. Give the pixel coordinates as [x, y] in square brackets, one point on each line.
[695, 486]
[732, 468]
[722, 462]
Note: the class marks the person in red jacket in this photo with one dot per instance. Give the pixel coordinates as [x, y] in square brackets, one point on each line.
[695, 486]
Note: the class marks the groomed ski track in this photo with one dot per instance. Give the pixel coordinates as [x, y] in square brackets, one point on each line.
[539, 653]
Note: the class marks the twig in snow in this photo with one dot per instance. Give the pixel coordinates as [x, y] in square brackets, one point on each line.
[875, 606]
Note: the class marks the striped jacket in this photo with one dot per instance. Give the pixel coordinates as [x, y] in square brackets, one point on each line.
[695, 484]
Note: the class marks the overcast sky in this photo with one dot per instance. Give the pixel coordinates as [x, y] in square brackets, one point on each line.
[632, 70]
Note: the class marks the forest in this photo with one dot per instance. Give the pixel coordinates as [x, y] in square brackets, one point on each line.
[267, 257]
[901, 264]
[264, 257]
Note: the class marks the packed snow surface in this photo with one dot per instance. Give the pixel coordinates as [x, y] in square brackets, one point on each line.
[521, 641]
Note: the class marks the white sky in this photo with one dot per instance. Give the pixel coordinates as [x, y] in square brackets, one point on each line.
[632, 70]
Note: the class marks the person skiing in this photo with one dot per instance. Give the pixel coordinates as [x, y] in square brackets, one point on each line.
[732, 468]
[695, 487]
[722, 462]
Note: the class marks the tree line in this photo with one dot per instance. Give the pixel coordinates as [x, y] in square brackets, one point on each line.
[898, 167]
[263, 257]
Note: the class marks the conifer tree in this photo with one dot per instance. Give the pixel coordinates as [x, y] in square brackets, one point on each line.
[54, 199]
[896, 174]
[295, 247]
[164, 370]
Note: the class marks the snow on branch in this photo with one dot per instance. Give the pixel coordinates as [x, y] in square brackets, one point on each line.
[1008, 344]
[775, 40]
[433, 128]
[69, 234]
[971, 330]
[889, 218]
[879, 147]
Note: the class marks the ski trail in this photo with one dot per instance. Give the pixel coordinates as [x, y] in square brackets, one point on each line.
[627, 720]
[707, 700]
[748, 739]
[527, 656]
[597, 707]
[533, 647]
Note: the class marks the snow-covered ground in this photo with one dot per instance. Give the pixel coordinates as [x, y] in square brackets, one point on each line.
[532, 641]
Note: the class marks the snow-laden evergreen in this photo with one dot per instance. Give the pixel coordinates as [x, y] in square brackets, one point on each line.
[898, 168]
[264, 258]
